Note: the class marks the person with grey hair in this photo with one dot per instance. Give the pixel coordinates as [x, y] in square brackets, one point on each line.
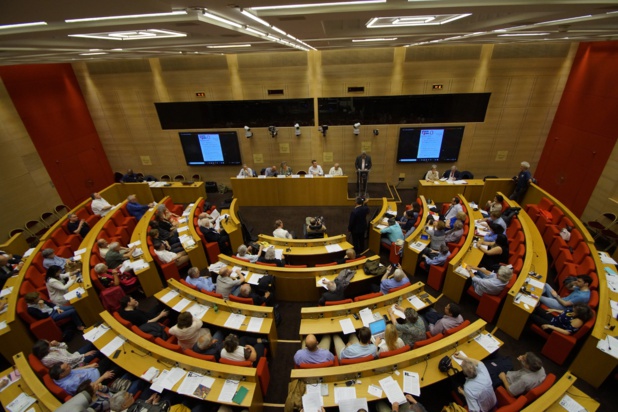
[77, 226]
[211, 234]
[99, 206]
[136, 209]
[334, 292]
[335, 170]
[486, 281]
[531, 375]
[522, 181]
[440, 258]
[209, 344]
[391, 233]
[478, 389]
[243, 252]
[228, 282]
[245, 171]
[433, 175]
[113, 277]
[269, 256]
[454, 235]
[50, 259]
[166, 256]
[285, 170]
[7, 270]
[115, 256]
[195, 278]
[413, 329]
[393, 278]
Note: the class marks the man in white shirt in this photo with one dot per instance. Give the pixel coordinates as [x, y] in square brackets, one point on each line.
[280, 232]
[315, 169]
[478, 389]
[336, 170]
[245, 171]
[166, 256]
[453, 209]
[99, 206]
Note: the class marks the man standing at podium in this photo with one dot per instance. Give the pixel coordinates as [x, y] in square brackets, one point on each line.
[362, 165]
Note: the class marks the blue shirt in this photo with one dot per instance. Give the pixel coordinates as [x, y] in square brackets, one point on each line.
[578, 296]
[204, 283]
[70, 382]
[136, 210]
[393, 233]
[438, 260]
[318, 356]
[387, 284]
[56, 261]
[357, 350]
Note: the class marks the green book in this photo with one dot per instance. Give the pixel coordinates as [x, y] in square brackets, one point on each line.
[240, 395]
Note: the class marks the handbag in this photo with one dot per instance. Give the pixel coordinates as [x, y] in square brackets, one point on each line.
[120, 384]
[445, 364]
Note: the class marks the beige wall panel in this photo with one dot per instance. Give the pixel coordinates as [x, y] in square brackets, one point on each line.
[499, 89]
[519, 92]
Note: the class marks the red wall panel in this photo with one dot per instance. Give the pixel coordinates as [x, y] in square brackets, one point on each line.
[54, 112]
[583, 133]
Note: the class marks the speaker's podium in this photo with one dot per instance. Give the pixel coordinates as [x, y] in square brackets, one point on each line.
[362, 176]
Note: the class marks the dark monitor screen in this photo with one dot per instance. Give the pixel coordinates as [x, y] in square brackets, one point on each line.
[429, 144]
[210, 148]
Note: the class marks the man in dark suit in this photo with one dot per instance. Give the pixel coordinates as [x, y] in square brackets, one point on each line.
[452, 174]
[357, 225]
[362, 165]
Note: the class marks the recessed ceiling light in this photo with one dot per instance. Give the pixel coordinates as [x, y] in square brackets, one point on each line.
[404, 21]
[254, 17]
[132, 35]
[228, 46]
[331, 4]
[380, 39]
[222, 20]
[92, 54]
[18, 25]
[259, 33]
[522, 34]
[128, 16]
[563, 20]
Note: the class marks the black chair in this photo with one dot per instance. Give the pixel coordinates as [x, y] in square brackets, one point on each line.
[150, 178]
[263, 171]
[466, 175]
[118, 177]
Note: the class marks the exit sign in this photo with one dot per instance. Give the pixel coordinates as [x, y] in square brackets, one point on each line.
[437, 87]
[200, 94]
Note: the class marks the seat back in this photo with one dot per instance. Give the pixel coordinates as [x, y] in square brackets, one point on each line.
[37, 366]
[142, 334]
[236, 363]
[368, 296]
[337, 302]
[167, 345]
[58, 392]
[356, 360]
[122, 320]
[516, 406]
[239, 299]
[201, 356]
[110, 298]
[388, 353]
[184, 282]
[534, 393]
[449, 332]
[424, 342]
[316, 365]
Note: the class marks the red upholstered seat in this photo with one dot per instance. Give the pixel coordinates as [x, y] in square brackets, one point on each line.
[184, 282]
[388, 353]
[43, 328]
[122, 320]
[296, 266]
[505, 398]
[37, 366]
[193, 354]
[212, 251]
[318, 265]
[356, 360]
[368, 296]
[516, 406]
[142, 334]
[424, 342]
[169, 270]
[316, 365]
[58, 392]
[167, 345]
[266, 264]
[213, 294]
[239, 299]
[438, 273]
[456, 329]
[337, 302]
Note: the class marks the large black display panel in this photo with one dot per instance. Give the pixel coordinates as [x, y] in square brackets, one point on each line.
[440, 108]
[429, 144]
[235, 114]
[210, 148]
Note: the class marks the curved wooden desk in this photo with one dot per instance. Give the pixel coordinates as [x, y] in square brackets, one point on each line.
[16, 244]
[443, 192]
[374, 231]
[291, 191]
[178, 191]
[137, 355]
[224, 309]
[423, 360]
[410, 255]
[550, 400]
[232, 225]
[309, 251]
[196, 253]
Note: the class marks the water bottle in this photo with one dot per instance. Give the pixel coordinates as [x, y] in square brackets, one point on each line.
[215, 307]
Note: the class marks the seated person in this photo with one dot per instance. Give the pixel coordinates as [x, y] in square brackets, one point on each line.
[245, 171]
[391, 340]
[180, 258]
[452, 173]
[454, 235]
[285, 169]
[187, 330]
[394, 277]
[490, 238]
[315, 169]
[228, 282]
[245, 348]
[358, 345]
[243, 252]
[50, 259]
[7, 269]
[113, 277]
[163, 213]
[412, 405]
[50, 353]
[165, 233]
[39, 308]
[130, 177]
[116, 255]
[350, 254]
[432, 175]
[495, 205]
[314, 227]
[439, 323]
[528, 377]
[437, 233]
[496, 217]
[580, 294]
[213, 235]
[392, 233]
[280, 232]
[135, 209]
[271, 171]
[478, 390]
[99, 206]
[58, 284]
[495, 254]
[103, 246]
[314, 352]
[454, 208]
[461, 216]
[208, 344]
[567, 322]
[156, 239]
[486, 281]
[129, 311]
[69, 379]
[432, 259]
[246, 291]
[201, 282]
[334, 292]
[412, 329]
[407, 222]
[269, 256]
[336, 170]
[77, 226]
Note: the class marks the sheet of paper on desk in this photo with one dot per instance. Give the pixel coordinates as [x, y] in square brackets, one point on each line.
[529, 300]
[95, 333]
[366, 316]
[6, 291]
[418, 246]
[254, 279]
[192, 381]
[172, 378]
[612, 283]
[607, 259]
[488, 342]
[341, 393]
[136, 243]
[319, 388]
[198, 310]
[183, 229]
[20, 403]
[184, 302]
[380, 226]
[79, 252]
[322, 283]
[28, 252]
[169, 296]
[416, 302]
[463, 272]
[3, 325]
[151, 374]
[411, 383]
[353, 405]
[374, 390]
[278, 253]
[112, 346]
[139, 264]
[234, 321]
[614, 305]
[571, 404]
[397, 312]
[312, 402]
[535, 283]
[73, 294]
[392, 390]
[347, 326]
[609, 345]
[255, 324]
[228, 391]
[157, 384]
[333, 248]
[126, 265]
[459, 361]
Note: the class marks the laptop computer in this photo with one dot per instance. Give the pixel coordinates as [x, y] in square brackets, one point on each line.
[377, 329]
